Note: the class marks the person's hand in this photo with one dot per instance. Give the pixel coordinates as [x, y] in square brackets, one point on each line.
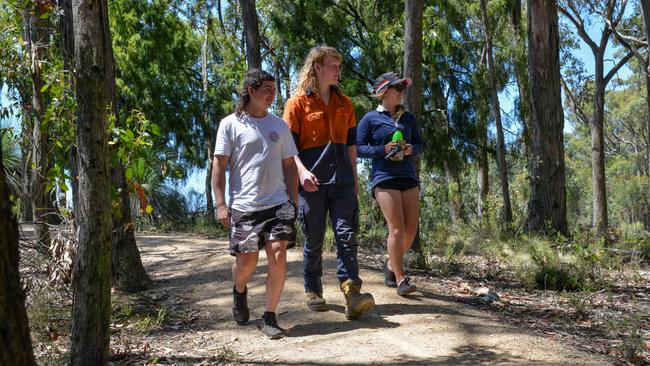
[223, 215]
[308, 181]
[390, 146]
[408, 149]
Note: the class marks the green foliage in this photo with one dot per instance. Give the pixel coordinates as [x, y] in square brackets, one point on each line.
[142, 321]
[11, 160]
[557, 276]
[629, 328]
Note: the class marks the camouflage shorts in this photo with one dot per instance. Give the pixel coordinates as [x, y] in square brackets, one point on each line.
[249, 231]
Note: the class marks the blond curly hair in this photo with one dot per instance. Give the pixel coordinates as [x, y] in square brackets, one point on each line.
[307, 80]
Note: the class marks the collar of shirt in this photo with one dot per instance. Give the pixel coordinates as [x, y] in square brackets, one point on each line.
[312, 92]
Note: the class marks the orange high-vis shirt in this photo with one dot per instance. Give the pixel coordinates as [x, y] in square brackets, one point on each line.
[322, 134]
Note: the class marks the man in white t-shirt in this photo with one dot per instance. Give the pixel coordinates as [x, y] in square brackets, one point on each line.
[258, 149]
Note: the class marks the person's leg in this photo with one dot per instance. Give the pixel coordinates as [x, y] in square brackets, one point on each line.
[276, 254]
[390, 202]
[411, 209]
[243, 269]
[343, 209]
[312, 217]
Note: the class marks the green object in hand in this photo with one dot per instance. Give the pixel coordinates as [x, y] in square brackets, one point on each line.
[397, 136]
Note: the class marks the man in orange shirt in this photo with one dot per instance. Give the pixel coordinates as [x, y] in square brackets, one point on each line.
[323, 124]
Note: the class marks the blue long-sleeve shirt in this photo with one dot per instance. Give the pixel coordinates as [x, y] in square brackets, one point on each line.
[374, 131]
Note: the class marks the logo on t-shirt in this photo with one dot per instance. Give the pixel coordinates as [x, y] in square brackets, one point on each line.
[273, 136]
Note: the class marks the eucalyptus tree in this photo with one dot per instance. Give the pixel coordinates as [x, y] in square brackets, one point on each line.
[631, 37]
[38, 31]
[582, 14]
[496, 113]
[14, 331]
[520, 68]
[205, 118]
[251, 33]
[414, 10]
[451, 59]
[127, 272]
[547, 204]
[91, 284]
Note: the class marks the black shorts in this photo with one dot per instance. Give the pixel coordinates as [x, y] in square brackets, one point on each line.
[249, 231]
[399, 184]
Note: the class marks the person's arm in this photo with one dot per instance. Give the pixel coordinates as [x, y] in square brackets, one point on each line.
[222, 212]
[365, 149]
[292, 117]
[291, 178]
[352, 154]
[352, 145]
[308, 180]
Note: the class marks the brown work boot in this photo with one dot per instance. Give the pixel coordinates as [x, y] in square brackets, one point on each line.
[315, 301]
[356, 303]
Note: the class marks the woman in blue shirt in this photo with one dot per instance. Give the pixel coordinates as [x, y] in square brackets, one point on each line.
[390, 136]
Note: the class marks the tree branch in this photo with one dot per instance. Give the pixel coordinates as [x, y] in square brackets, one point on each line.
[624, 41]
[573, 104]
[579, 24]
[618, 19]
[616, 67]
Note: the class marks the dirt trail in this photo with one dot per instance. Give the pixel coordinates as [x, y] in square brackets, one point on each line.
[429, 328]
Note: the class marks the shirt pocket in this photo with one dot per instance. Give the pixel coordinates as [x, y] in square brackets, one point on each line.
[315, 126]
[340, 126]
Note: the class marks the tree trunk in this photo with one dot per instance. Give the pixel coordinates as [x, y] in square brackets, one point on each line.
[413, 99]
[521, 73]
[91, 278]
[27, 127]
[287, 77]
[547, 205]
[127, 271]
[27, 214]
[14, 331]
[598, 179]
[496, 110]
[206, 121]
[483, 179]
[251, 34]
[645, 9]
[39, 38]
[67, 41]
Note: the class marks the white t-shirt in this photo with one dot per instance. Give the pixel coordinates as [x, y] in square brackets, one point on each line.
[256, 147]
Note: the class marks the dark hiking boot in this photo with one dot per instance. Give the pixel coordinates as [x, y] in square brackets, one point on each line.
[270, 326]
[240, 306]
[356, 303]
[405, 287]
[315, 301]
[389, 276]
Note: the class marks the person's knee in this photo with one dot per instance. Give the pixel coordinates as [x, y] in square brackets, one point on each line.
[398, 234]
[246, 261]
[278, 267]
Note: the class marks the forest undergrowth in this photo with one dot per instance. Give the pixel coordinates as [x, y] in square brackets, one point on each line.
[589, 295]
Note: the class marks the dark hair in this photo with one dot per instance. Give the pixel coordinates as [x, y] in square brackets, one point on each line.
[254, 78]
